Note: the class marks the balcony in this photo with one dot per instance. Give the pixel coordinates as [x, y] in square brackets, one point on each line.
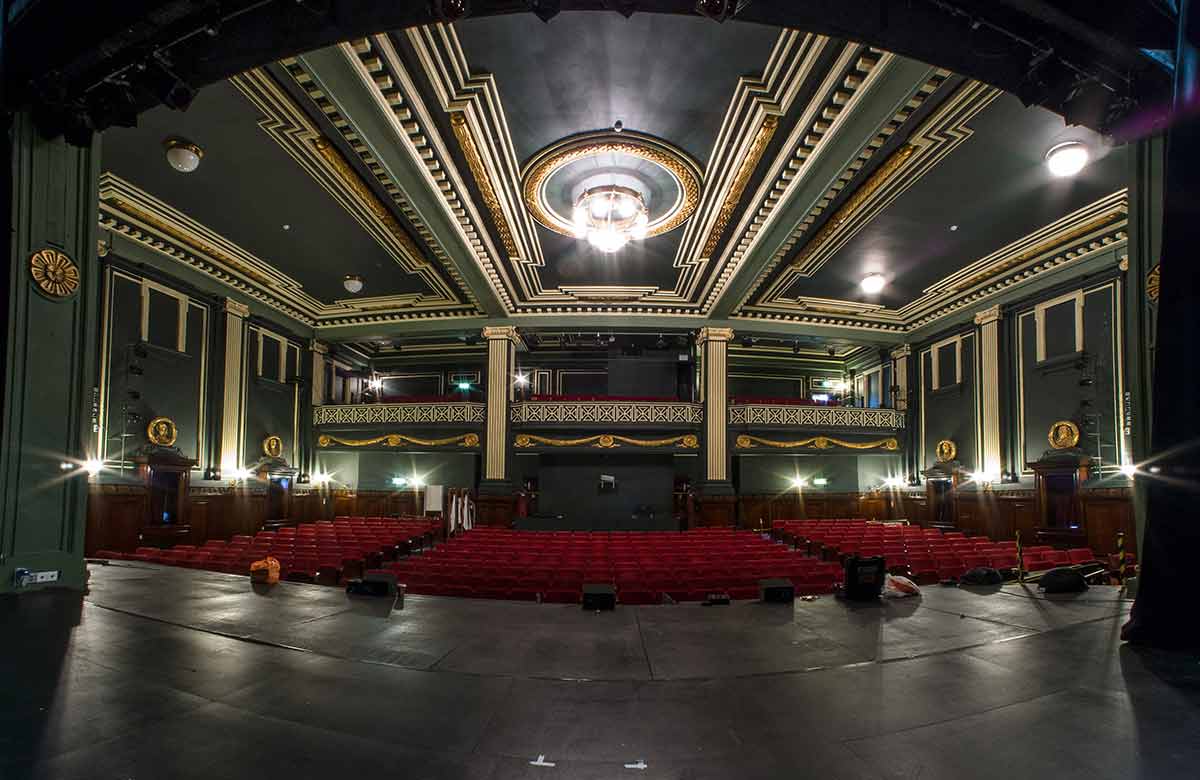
[409, 413]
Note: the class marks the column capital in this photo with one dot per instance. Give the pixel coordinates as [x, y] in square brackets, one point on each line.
[990, 314]
[236, 308]
[501, 332]
[319, 347]
[714, 334]
[902, 351]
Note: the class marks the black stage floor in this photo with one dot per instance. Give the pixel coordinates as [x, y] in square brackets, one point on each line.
[172, 673]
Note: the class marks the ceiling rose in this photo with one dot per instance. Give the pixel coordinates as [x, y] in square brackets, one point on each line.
[610, 188]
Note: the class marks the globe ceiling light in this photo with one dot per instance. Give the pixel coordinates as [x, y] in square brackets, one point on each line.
[1067, 158]
[353, 283]
[610, 217]
[184, 156]
[872, 283]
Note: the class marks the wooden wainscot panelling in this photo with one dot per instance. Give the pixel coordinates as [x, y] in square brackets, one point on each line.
[718, 511]
[1108, 512]
[115, 514]
[756, 511]
[370, 503]
[1016, 511]
[913, 507]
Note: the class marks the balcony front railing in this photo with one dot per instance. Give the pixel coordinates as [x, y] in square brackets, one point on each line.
[607, 412]
[423, 413]
[828, 417]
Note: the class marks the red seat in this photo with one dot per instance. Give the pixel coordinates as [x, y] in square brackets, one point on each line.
[1081, 555]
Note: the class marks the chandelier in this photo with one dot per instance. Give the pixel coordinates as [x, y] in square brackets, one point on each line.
[611, 216]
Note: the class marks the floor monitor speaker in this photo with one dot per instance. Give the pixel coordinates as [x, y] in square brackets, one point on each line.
[777, 590]
[597, 596]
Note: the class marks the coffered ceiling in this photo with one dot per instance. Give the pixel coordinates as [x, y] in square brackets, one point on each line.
[783, 165]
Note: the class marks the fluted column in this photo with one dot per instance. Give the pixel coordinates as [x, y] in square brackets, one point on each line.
[713, 344]
[988, 321]
[232, 407]
[502, 343]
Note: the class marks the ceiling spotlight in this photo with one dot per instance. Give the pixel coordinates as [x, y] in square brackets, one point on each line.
[182, 155]
[872, 283]
[953, 228]
[353, 283]
[1067, 158]
[449, 10]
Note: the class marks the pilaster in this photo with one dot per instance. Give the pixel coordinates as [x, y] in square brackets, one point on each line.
[233, 408]
[988, 321]
[502, 343]
[714, 345]
[317, 350]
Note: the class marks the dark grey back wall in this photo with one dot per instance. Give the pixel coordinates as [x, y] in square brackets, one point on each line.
[568, 485]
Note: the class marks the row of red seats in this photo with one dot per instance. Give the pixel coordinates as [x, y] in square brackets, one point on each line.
[642, 566]
[327, 553]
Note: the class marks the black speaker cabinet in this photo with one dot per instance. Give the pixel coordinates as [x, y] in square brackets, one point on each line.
[777, 591]
[597, 596]
[864, 578]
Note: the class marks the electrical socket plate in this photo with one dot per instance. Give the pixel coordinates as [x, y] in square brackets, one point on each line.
[42, 577]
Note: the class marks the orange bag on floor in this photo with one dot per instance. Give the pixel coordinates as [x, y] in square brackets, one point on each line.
[266, 570]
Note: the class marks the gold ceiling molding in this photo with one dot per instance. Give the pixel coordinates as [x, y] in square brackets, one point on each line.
[852, 171]
[458, 121]
[137, 216]
[606, 441]
[855, 202]
[850, 77]
[746, 441]
[396, 95]
[766, 131]
[399, 440]
[287, 124]
[554, 157]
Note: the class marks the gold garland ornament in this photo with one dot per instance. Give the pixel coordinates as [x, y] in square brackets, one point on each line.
[946, 450]
[607, 441]
[745, 442]
[1063, 435]
[55, 275]
[400, 440]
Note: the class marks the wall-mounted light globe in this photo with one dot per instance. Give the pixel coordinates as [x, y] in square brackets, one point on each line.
[610, 217]
[873, 283]
[184, 156]
[1067, 158]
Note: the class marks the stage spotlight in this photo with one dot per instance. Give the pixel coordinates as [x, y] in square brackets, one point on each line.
[1128, 469]
[521, 380]
[93, 466]
[796, 347]
[799, 482]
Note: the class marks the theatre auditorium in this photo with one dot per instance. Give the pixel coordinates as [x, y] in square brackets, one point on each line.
[580, 389]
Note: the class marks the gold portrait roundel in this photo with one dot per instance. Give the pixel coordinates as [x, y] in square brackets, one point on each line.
[161, 431]
[946, 450]
[1063, 435]
[272, 446]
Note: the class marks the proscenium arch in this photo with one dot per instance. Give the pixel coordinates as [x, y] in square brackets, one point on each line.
[1091, 71]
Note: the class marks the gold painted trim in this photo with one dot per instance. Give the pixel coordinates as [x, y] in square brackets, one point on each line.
[607, 441]
[945, 450]
[400, 440]
[1152, 283]
[855, 202]
[164, 437]
[766, 131]
[1063, 435]
[746, 441]
[54, 274]
[675, 161]
[458, 121]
